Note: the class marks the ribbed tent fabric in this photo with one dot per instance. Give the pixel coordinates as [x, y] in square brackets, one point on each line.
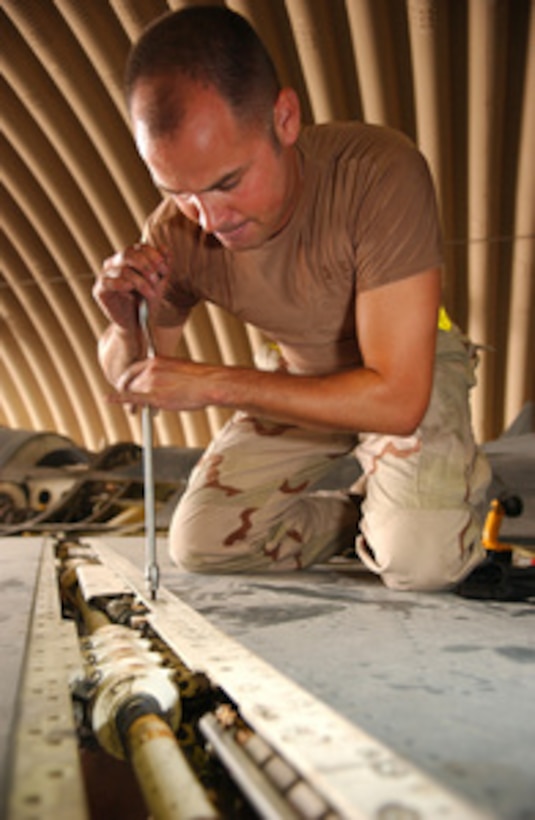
[457, 77]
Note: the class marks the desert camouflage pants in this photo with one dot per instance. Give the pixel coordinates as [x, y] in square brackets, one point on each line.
[249, 507]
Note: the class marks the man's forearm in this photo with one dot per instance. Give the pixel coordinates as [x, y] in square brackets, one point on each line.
[117, 349]
[360, 400]
[353, 401]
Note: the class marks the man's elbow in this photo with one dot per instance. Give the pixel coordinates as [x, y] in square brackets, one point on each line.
[407, 425]
[404, 401]
[410, 414]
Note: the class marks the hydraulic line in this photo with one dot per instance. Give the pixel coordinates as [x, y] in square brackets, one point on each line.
[167, 782]
[93, 618]
[134, 708]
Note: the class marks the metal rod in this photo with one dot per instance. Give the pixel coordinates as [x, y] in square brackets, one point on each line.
[263, 795]
[152, 572]
[169, 786]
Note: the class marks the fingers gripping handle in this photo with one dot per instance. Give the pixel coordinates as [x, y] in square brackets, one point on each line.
[143, 315]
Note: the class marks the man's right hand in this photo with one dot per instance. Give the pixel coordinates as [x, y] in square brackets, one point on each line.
[140, 271]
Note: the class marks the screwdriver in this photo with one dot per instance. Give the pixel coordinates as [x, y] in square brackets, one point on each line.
[152, 572]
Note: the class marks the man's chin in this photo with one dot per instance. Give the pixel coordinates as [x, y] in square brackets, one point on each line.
[240, 239]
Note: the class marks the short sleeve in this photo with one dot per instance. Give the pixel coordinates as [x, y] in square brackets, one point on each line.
[396, 229]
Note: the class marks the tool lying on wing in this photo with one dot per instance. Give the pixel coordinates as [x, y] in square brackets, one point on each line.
[497, 578]
[152, 572]
[505, 505]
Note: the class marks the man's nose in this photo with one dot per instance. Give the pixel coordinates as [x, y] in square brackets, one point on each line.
[210, 216]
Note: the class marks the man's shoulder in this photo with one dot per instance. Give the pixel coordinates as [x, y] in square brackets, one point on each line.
[352, 139]
[363, 157]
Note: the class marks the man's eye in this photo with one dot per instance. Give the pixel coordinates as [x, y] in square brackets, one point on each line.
[228, 185]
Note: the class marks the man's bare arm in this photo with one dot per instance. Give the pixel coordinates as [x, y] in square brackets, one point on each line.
[389, 393]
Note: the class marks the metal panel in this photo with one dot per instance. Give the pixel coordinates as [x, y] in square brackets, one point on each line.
[356, 774]
[46, 781]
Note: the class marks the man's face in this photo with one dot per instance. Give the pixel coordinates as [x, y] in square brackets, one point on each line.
[238, 182]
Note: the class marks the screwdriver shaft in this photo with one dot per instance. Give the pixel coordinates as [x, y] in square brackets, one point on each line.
[152, 572]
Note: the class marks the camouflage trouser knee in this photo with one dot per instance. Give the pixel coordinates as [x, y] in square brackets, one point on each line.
[248, 505]
[421, 527]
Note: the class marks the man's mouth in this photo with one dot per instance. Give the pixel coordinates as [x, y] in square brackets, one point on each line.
[231, 232]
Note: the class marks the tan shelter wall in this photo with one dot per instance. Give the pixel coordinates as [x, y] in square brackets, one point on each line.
[458, 77]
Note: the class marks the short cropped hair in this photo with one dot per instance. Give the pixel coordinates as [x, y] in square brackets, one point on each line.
[210, 45]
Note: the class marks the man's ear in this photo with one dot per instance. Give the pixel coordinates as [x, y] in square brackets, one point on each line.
[287, 116]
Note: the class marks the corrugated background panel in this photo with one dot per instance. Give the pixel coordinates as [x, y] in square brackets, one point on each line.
[458, 76]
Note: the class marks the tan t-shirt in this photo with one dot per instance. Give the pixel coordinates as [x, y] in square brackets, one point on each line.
[367, 216]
